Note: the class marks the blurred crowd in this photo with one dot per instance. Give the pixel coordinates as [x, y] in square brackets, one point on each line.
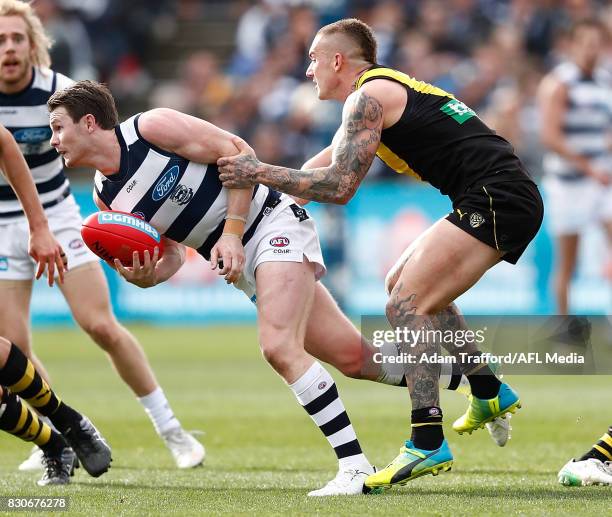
[490, 53]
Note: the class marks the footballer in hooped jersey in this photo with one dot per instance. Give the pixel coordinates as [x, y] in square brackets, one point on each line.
[297, 317]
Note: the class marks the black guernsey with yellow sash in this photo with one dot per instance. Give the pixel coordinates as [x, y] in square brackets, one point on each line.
[440, 140]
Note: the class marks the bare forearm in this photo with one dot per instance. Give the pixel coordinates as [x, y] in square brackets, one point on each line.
[171, 262]
[324, 184]
[238, 205]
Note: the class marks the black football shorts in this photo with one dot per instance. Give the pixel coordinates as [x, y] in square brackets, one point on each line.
[505, 215]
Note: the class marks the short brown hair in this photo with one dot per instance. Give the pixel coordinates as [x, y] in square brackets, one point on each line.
[360, 32]
[84, 98]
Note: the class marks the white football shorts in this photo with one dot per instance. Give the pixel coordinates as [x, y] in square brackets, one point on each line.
[287, 234]
[571, 206]
[65, 223]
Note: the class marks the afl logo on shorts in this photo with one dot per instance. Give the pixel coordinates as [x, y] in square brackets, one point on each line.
[75, 244]
[476, 220]
[279, 242]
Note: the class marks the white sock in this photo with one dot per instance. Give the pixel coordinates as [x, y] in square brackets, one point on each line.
[157, 407]
[316, 391]
[391, 373]
[446, 375]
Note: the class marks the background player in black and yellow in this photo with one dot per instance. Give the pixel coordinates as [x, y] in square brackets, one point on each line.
[594, 467]
[421, 130]
[19, 380]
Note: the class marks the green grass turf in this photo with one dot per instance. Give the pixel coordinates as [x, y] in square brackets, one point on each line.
[264, 453]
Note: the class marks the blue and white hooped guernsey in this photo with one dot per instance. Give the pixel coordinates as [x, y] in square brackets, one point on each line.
[26, 116]
[183, 200]
[587, 122]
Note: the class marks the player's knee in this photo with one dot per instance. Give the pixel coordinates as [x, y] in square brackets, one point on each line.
[400, 307]
[391, 280]
[277, 353]
[351, 365]
[103, 331]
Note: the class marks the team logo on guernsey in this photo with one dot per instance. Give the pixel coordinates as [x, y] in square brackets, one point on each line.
[279, 242]
[181, 195]
[458, 111]
[128, 220]
[32, 135]
[166, 183]
[476, 220]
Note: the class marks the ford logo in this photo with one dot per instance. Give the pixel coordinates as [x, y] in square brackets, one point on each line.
[32, 135]
[166, 183]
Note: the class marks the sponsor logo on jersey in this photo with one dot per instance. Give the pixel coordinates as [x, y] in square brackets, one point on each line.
[32, 135]
[181, 195]
[166, 183]
[458, 111]
[279, 242]
[75, 244]
[476, 220]
[130, 221]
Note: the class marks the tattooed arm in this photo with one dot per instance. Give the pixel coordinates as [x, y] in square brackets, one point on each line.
[353, 153]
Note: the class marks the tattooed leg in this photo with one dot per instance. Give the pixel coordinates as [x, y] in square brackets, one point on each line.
[422, 377]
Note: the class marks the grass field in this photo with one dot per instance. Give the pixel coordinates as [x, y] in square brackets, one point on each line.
[264, 453]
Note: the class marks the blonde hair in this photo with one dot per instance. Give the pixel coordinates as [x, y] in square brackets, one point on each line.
[39, 40]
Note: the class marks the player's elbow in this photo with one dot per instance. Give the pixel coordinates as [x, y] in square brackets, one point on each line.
[343, 196]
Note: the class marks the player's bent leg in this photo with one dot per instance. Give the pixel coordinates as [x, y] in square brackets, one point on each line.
[285, 292]
[86, 292]
[443, 264]
[15, 326]
[332, 338]
[446, 262]
[16, 418]
[18, 374]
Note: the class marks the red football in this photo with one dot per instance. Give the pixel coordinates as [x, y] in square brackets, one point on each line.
[110, 234]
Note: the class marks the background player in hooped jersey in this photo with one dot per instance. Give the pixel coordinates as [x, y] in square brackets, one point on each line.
[421, 130]
[26, 83]
[576, 113]
[18, 378]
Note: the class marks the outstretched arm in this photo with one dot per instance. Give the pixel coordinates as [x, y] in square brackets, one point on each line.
[43, 246]
[352, 155]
